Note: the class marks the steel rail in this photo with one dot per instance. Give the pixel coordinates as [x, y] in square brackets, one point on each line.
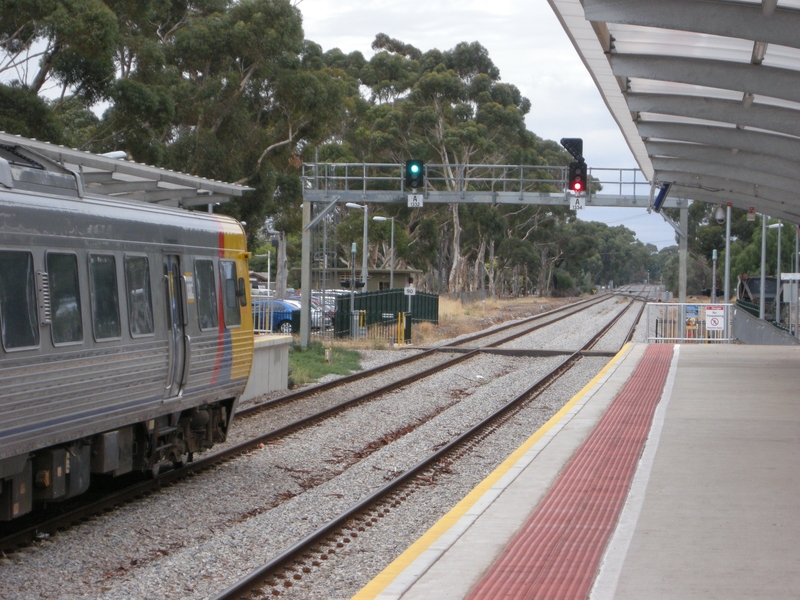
[321, 387]
[12, 541]
[254, 579]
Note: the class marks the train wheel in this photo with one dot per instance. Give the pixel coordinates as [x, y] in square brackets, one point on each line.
[183, 460]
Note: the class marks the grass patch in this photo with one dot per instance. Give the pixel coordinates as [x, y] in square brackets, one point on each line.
[307, 366]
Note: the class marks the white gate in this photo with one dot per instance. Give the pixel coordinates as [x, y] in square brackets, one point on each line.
[688, 323]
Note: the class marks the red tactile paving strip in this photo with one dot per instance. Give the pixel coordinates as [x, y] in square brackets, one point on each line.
[557, 552]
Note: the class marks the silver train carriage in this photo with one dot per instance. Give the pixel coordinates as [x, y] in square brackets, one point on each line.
[126, 335]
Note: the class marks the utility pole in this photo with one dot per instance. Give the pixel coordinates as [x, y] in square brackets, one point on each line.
[714, 276]
[683, 247]
[305, 279]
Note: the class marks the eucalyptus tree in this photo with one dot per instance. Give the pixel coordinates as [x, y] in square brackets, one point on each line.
[449, 108]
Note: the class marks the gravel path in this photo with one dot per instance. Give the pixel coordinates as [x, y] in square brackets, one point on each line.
[199, 536]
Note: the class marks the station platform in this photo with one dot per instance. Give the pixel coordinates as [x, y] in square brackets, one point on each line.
[675, 473]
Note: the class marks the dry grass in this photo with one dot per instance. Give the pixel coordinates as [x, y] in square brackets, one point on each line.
[457, 319]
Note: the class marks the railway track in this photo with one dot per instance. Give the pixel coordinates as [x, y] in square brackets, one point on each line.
[290, 565]
[19, 538]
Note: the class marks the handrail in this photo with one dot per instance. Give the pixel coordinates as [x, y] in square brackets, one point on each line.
[473, 177]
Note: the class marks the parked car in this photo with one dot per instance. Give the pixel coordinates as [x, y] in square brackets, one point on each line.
[317, 318]
[285, 315]
[330, 304]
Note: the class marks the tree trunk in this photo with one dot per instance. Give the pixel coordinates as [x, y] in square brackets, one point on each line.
[282, 267]
[479, 266]
[492, 274]
[456, 282]
[442, 259]
[544, 278]
[44, 70]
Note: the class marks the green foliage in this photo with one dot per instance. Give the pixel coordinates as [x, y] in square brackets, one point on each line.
[231, 90]
[26, 114]
[307, 366]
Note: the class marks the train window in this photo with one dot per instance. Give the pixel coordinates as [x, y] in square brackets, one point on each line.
[206, 292]
[140, 300]
[105, 299]
[18, 318]
[65, 298]
[233, 315]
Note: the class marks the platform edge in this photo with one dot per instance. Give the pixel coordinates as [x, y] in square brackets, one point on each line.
[384, 579]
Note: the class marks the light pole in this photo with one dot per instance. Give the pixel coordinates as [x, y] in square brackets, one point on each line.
[391, 264]
[364, 246]
[714, 277]
[779, 227]
[763, 283]
[727, 255]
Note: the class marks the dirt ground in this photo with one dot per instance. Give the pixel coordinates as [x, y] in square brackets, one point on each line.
[457, 319]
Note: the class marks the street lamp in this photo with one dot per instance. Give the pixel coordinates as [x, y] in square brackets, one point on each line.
[779, 227]
[364, 246]
[391, 264]
[763, 281]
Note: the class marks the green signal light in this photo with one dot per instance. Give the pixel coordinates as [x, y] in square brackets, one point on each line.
[414, 173]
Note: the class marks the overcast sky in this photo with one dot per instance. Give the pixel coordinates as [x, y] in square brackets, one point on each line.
[532, 51]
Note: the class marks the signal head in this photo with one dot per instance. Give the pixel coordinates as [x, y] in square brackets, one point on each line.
[577, 178]
[415, 173]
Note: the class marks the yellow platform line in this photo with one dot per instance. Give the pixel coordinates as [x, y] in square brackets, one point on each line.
[396, 567]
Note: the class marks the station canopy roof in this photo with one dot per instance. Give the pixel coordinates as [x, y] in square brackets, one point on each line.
[706, 92]
[109, 175]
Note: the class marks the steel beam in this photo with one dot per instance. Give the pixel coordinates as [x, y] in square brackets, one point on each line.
[166, 194]
[514, 198]
[761, 116]
[712, 183]
[729, 19]
[740, 176]
[723, 137]
[725, 75]
[778, 210]
[720, 156]
[683, 247]
[108, 165]
[204, 199]
[116, 186]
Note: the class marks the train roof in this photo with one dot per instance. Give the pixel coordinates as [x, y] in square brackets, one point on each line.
[49, 198]
[38, 218]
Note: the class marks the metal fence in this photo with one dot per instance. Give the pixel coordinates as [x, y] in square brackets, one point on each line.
[375, 177]
[688, 323]
[385, 314]
[269, 317]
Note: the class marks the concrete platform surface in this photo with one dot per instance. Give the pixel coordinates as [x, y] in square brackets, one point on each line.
[714, 507]
[721, 514]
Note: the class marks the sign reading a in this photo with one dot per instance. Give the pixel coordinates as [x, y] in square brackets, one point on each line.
[578, 203]
[415, 201]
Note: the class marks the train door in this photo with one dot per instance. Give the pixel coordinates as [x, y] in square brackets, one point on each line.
[176, 320]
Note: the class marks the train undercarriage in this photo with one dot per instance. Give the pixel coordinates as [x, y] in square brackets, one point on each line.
[61, 472]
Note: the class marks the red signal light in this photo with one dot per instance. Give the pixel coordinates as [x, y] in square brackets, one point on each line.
[577, 176]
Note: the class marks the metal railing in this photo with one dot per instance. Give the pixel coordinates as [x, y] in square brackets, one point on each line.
[381, 314]
[389, 177]
[676, 323]
[370, 177]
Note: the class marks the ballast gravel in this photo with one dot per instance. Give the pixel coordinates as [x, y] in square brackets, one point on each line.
[198, 537]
